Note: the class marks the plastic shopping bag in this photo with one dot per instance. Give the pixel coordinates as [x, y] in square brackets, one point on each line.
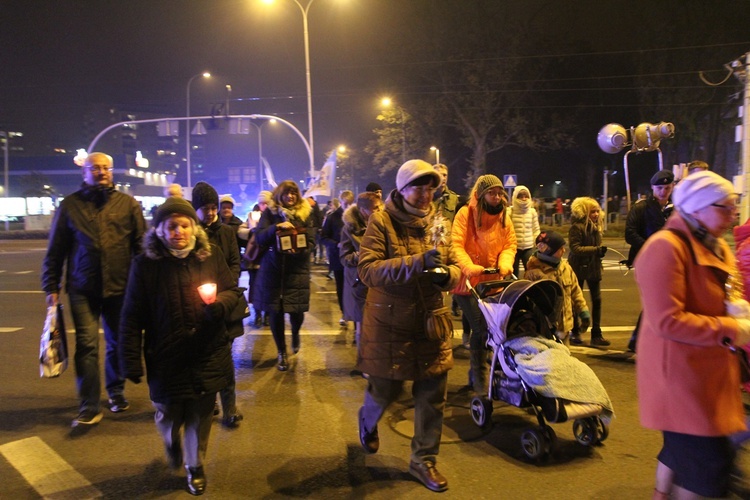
[53, 348]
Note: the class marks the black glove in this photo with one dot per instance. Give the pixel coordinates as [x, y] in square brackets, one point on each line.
[214, 311]
[602, 251]
[135, 380]
[432, 259]
[440, 279]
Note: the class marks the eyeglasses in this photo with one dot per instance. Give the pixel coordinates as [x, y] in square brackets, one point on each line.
[422, 189]
[100, 169]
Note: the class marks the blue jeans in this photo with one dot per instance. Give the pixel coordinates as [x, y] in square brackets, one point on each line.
[86, 312]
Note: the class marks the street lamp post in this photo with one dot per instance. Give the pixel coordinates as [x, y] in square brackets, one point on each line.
[437, 153]
[187, 127]
[305, 11]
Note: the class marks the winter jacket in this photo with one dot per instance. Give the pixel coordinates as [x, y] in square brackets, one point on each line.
[478, 246]
[585, 241]
[688, 380]
[235, 223]
[447, 203]
[525, 220]
[96, 232]
[187, 352]
[330, 236]
[391, 263]
[574, 303]
[355, 292]
[742, 253]
[646, 217]
[283, 280]
[224, 237]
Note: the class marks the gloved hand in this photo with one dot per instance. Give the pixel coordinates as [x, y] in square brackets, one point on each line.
[585, 321]
[432, 258]
[475, 270]
[738, 308]
[602, 251]
[440, 279]
[135, 380]
[743, 335]
[505, 270]
[214, 311]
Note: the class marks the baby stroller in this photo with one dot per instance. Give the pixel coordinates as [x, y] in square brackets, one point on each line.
[521, 316]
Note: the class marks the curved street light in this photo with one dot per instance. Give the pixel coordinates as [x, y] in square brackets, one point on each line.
[205, 74]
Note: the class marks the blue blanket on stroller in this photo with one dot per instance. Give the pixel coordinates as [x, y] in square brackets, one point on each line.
[549, 368]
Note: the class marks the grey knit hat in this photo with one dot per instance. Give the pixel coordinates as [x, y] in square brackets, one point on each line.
[485, 183]
[204, 194]
[174, 205]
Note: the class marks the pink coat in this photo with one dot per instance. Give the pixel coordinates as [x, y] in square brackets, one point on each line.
[688, 381]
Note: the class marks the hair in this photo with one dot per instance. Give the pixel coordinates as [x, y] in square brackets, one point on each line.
[87, 161]
[440, 166]
[283, 188]
[368, 200]
[697, 165]
[347, 197]
[173, 190]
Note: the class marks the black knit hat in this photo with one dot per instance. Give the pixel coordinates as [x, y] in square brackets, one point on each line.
[373, 186]
[174, 205]
[549, 242]
[204, 194]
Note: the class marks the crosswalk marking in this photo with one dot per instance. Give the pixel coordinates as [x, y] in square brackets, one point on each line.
[9, 329]
[46, 471]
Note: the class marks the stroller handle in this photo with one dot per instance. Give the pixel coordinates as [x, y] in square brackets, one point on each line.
[483, 289]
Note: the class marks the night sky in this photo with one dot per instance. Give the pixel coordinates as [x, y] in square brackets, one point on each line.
[61, 56]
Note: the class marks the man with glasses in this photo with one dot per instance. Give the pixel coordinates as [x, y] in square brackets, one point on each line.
[95, 234]
[647, 217]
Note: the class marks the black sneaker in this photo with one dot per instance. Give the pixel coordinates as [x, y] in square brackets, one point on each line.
[599, 342]
[87, 417]
[575, 339]
[118, 403]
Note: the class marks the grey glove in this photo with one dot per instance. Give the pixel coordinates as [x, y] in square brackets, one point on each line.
[440, 279]
[432, 259]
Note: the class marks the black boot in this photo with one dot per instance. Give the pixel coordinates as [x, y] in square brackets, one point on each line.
[196, 480]
[282, 363]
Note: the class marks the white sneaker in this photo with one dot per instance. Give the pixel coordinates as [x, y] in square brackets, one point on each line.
[342, 322]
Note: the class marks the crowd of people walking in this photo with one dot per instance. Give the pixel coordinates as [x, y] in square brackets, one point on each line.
[169, 295]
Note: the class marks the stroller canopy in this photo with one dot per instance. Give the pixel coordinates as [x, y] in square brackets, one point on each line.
[538, 300]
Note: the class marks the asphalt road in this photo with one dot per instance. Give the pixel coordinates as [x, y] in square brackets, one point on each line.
[299, 436]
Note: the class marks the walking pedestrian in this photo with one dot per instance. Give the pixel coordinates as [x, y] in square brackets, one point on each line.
[182, 336]
[586, 254]
[283, 281]
[95, 234]
[526, 225]
[394, 255]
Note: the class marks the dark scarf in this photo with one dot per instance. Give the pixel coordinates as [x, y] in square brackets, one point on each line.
[97, 194]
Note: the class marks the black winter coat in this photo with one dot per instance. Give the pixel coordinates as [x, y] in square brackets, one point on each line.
[283, 280]
[585, 251]
[330, 235]
[644, 219]
[187, 353]
[95, 233]
[225, 238]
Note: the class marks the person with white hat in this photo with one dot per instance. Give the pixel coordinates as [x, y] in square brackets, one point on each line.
[687, 375]
[395, 254]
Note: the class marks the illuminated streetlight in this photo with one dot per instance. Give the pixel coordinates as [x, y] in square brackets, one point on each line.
[304, 11]
[187, 128]
[387, 102]
[437, 153]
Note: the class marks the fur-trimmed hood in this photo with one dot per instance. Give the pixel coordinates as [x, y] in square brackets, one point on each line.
[301, 209]
[154, 248]
[580, 208]
[354, 220]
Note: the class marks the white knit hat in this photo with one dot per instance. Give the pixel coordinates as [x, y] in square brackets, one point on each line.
[699, 190]
[413, 170]
[226, 198]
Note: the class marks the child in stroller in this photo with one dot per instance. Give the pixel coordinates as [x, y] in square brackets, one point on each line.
[531, 368]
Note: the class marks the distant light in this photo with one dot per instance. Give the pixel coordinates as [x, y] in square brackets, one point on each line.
[342, 148]
[386, 101]
[140, 161]
[558, 182]
[207, 75]
[80, 157]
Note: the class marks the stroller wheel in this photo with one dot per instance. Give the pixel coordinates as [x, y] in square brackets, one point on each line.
[602, 431]
[585, 431]
[550, 438]
[534, 443]
[481, 412]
